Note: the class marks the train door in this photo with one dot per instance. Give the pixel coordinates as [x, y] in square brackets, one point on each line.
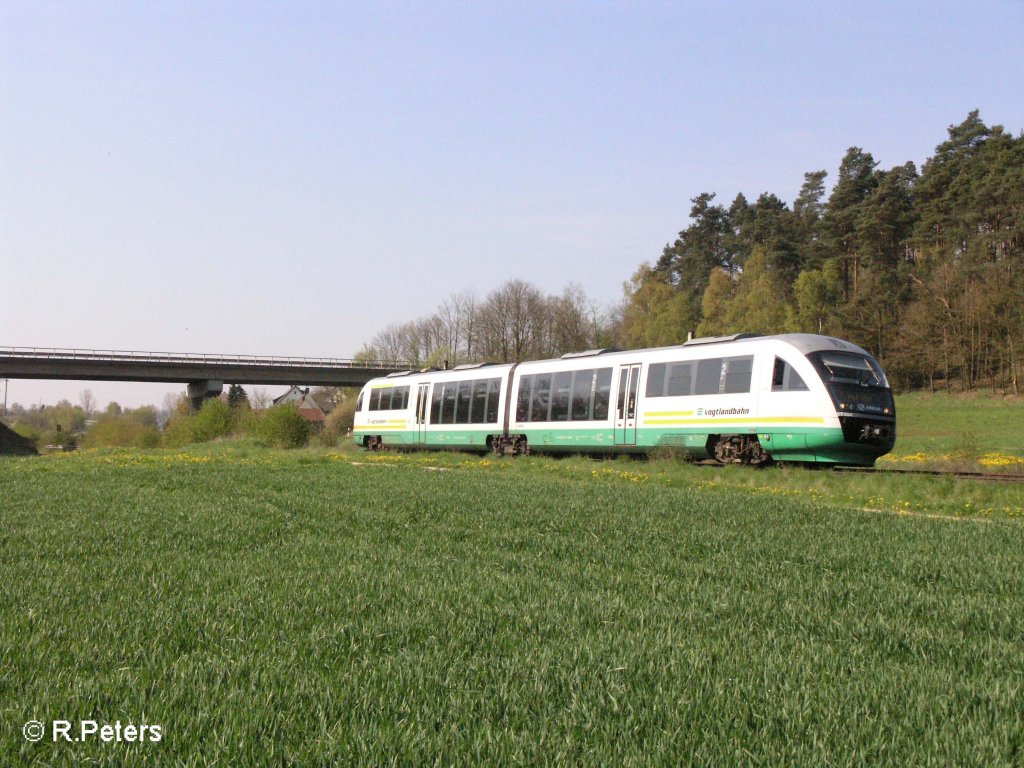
[422, 408]
[625, 410]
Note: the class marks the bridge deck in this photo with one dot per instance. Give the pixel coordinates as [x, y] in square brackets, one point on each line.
[182, 367]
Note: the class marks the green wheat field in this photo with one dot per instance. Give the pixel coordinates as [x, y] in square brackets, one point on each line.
[330, 607]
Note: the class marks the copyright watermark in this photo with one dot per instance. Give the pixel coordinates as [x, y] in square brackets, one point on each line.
[92, 730]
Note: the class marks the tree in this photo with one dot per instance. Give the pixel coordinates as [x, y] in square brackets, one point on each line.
[656, 313]
[88, 402]
[815, 295]
[237, 397]
[260, 398]
[715, 304]
[757, 304]
[839, 221]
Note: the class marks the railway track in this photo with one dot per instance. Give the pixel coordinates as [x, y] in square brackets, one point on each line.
[956, 474]
[991, 477]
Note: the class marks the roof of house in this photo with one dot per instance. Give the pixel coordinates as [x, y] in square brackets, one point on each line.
[312, 414]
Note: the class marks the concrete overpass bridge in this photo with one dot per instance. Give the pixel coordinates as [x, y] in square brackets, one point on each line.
[205, 375]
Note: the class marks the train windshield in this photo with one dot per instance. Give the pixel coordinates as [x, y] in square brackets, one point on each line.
[856, 382]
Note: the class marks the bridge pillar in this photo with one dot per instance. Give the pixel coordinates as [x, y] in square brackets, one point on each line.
[200, 391]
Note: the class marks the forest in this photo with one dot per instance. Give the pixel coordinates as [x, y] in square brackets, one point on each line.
[923, 267]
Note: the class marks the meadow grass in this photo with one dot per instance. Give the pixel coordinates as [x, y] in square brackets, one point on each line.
[333, 607]
[975, 431]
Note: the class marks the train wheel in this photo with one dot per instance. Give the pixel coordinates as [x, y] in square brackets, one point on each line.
[740, 449]
[374, 443]
[509, 445]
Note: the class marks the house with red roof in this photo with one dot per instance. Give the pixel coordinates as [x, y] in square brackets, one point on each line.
[309, 409]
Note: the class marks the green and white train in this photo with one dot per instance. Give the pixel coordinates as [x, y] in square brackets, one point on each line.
[738, 399]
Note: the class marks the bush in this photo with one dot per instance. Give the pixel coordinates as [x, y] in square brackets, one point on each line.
[59, 439]
[177, 432]
[280, 427]
[339, 421]
[28, 431]
[121, 431]
[215, 419]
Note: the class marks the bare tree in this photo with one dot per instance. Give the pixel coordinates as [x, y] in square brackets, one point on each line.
[259, 397]
[88, 402]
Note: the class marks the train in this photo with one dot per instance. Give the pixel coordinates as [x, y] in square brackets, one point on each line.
[740, 399]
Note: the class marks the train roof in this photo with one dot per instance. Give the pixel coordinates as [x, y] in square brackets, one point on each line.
[812, 342]
[805, 343]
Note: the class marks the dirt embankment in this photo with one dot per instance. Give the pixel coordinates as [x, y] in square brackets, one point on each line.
[12, 442]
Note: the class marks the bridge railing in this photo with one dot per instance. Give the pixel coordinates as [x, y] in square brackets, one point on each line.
[116, 355]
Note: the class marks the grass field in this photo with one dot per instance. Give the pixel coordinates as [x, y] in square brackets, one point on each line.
[975, 431]
[331, 608]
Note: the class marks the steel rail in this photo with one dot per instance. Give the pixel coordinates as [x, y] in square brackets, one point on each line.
[994, 477]
[953, 473]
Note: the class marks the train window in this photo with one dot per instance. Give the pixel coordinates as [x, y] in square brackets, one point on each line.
[464, 399]
[656, 380]
[602, 393]
[405, 397]
[680, 379]
[843, 367]
[540, 401]
[523, 401]
[448, 403]
[479, 403]
[709, 376]
[359, 401]
[582, 396]
[375, 400]
[435, 404]
[493, 395]
[737, 374]
[620, 410]
[560, 395]
[785, 379]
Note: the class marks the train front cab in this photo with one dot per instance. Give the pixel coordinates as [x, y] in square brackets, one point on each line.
[862, 400]
[840, 405]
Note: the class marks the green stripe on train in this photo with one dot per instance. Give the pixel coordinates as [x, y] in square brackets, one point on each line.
[792, 443]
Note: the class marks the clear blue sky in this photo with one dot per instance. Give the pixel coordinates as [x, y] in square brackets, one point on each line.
[291, 177]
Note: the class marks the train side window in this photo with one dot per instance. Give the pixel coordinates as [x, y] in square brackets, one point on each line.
[541, 399]
[435, 403]
[680, 379]
[656, 380]
[582, 396]
[359, 401]
[560, 395]
[493, 393]
[375, 400]
[523, 400]
[448, 405]
[737, 374]
[405, 398]
[709, 376]
[785, 379]
[794, 382]
[602, 393]
[465, 399]
[478, 405]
